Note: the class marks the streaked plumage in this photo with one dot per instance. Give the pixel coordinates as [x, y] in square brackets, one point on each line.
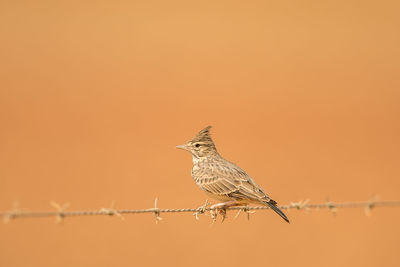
[221, 179]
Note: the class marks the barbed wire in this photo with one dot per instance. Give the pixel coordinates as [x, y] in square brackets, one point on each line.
[60, 213]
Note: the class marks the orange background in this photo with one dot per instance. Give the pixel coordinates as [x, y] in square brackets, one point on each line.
[95, 95]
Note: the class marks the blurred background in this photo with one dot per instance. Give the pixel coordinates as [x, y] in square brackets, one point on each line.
[95, 95]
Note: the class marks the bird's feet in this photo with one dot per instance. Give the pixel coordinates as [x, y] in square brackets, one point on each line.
[220, 208]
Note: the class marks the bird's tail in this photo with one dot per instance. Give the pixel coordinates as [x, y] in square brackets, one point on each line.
[272, 204]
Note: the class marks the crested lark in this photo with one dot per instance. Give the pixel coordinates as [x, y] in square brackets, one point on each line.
[223, 180]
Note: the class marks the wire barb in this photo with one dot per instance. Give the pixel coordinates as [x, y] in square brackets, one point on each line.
[112, 211]
[156, 211]
[201, 210]
[60, 210]
[245, 209]
[302, 204]
[11, 214]
[370, 206]
[332, 207]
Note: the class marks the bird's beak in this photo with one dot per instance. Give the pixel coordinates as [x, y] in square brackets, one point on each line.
[182, 147]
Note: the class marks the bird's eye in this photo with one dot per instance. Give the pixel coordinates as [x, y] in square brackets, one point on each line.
[197, 145]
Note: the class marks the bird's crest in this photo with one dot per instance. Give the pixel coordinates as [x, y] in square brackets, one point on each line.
[203, 136]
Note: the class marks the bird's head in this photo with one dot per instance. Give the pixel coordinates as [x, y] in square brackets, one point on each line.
[201, 145]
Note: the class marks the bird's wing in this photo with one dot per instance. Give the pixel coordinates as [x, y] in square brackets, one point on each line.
[227, 179]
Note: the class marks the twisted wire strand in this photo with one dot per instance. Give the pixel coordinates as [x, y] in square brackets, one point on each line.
[60, 213]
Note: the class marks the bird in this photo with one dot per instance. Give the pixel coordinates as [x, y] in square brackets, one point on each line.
[223, 180]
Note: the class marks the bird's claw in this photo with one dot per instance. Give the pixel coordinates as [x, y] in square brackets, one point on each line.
[218, 210]
[223, 214]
